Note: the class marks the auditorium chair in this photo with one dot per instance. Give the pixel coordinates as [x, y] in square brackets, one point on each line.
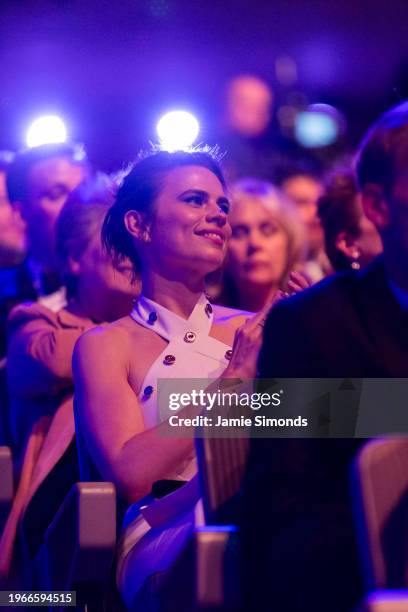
[206, 576]
[380, 488]
[6, 484]
[4, 428]
[387, 601]
[222, 463]
[79, 544]
[78, 547]
[6, 462]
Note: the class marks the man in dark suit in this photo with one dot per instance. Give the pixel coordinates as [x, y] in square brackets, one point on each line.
[297, 512]
[39, 181]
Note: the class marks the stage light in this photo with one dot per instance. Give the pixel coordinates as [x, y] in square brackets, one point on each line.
[177, 130]
[319, 126]
[46, 130]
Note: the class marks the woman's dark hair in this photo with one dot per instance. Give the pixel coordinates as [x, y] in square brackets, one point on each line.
[80, 219]
[339, 211]
[140, 189]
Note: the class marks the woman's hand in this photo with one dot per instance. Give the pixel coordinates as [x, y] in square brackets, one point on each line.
[298, 281]
[247, 343]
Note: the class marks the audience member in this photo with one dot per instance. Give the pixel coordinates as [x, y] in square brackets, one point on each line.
[245, 133]
[170, 217]
[304, 190]
[40, 354]
[12, 250]
[351, 239]
[267, 243]
[248, 106]
[38, 183]
[298, 527]
[253, 140]
[12, 235]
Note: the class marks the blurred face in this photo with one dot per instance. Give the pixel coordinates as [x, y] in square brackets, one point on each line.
[106, 292]
[249, 106]
[304, 191]
[258, 248]
[12, 232]
[51, 181]
[190, 230]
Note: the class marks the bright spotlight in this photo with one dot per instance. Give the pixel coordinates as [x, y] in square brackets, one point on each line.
[319, 126]
[177, 130]
[46, 130]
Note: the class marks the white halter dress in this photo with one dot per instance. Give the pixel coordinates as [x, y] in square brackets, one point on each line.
[151, 541]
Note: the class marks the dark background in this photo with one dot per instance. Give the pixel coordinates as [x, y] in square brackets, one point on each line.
[111, 68]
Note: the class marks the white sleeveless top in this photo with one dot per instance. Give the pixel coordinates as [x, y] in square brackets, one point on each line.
[190, 354]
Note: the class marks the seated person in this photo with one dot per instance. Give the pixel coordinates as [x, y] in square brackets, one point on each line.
[170, 219]
[351, 239]
[266, 248]
[299, 545]
[304, 188]
[12, 250]
[40, 354]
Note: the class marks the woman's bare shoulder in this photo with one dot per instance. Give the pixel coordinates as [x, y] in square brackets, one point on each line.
[230, 316]
[107, 338]
[117, 338]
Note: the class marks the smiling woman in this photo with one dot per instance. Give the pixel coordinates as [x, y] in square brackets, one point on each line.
[170, 219]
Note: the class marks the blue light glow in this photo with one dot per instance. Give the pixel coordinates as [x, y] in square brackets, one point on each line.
[318, 126]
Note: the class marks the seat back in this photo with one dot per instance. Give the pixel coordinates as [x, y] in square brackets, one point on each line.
[386, 601]
[4, 402]
[221, 464]
[380, 492]
[79, 544]
[6, 484]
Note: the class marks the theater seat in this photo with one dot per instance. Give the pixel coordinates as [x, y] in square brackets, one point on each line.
[381, 496]
[79, 544]
[217, 568]
[380, 491]
[5, 437]
[221, 463]
[6, 484]
[387, 601]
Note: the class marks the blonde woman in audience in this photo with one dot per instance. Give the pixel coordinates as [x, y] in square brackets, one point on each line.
[266, 249]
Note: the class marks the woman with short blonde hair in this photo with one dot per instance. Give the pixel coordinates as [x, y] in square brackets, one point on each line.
[267, 245]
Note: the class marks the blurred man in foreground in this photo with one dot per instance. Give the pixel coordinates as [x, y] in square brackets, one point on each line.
[297, 517]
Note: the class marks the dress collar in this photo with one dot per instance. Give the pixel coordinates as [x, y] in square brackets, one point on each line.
[169, 325]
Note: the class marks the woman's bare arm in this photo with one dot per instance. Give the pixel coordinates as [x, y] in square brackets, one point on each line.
[111, 419]
[110, 416]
